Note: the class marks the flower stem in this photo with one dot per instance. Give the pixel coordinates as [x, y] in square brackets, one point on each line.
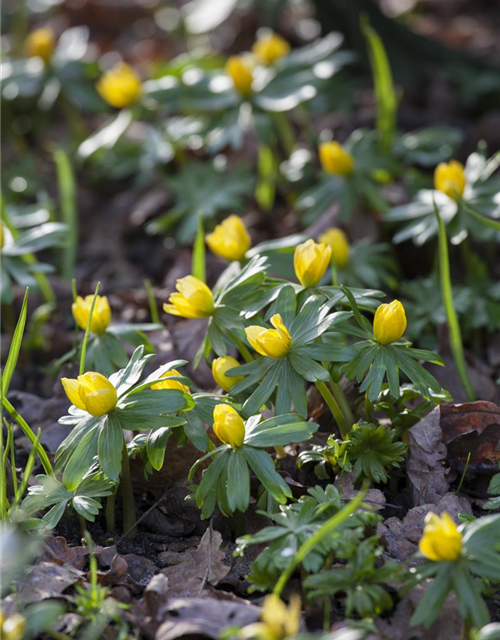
[110, 513]
[456, 345]
[342, 401]
[127, 494]
[334, 408]
[333, 270]
[285, 132]
[247, 356]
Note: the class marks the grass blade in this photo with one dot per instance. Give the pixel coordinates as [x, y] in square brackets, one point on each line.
[67, 197]
[198, 268]
[15, 347]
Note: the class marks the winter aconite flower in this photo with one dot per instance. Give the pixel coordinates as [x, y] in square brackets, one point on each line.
[228, 425]
[335, 159]
[91, 392]
[101, 316]
[311, 260]
[12, 627]
[171, 384]
[240, 72]
[389, 323]
[273, 343]
[449, 177]
[219, 368]
[120, 86]
[41, 43]
[278, 621]
[230, 239]
[270, 47]
[441, 541]
[193, 300]
[337, 240]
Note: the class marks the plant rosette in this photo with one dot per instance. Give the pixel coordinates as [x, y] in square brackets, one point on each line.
[284, 368]
[466, 198]
[226, 481]
[133, 405]
[380, 358]
[457, 557]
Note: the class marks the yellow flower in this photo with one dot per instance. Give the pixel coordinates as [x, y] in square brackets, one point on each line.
[278, 621]
[337, 240]
[219, 368]
[335, 159]
[171, 384]
[101, 315]
[91, 392]
[270, 48]
[389, 322]
[41, 43]
[240, 71]
[120, 86]
[441, 540]
[12, 627]
[230, 239]
[194, 300]
[228, 425]
[311, 260]
[449, 177]
[273, 343]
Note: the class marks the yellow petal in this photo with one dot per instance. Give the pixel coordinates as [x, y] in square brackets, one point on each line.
[71, 388]
[101, 401]
[230, 239]
[335, 159]
[219, 368]
[228, 425]
[240, 72]
[339, 244]
[389, 322]
[120, 86]
[171, 384]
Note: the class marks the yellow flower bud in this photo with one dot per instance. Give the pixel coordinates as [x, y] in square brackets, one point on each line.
[335, 159]
[449, 177]
[270, 47]
[441, 541]
[194, 300]
[219, 368]
[273, 343]
[240, 72]
[389, 322]
[230, 239]
[101, 315]
[311, 260]
[91, 392]
[228, 425]
[41, 43]
[171, 384]
[12, 627]
[278, 621]
[120, 86]
[337, 240]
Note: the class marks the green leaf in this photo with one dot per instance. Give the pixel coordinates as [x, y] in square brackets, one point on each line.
[156, 446]
[81, 459]
[238, 482]
[307, 367]
[263, 467]
[110, 446]
[15, 347]
[433, 598]
[280, 431]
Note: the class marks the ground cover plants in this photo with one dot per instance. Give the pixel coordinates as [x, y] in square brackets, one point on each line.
[250, 322]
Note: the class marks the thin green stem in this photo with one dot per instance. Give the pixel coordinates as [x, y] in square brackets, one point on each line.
[153, 309]
[334, 408]
[285, 132]
[110, 513]
[456, 344]
[247, 356]
[87, 331]
[333, 270]
[342, 401]
[26, 429]
[4, 505]
[67, 200]
[129, 519]
[313, 541]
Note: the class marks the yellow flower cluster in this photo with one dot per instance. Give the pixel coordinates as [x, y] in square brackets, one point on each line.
[441, 541]
[273, 343]
[335, 159]
[120, 86]
[449, 177]
[228, 425]
[101, 316]
[219, 368]
[92, 392]
[389, 322]
[41, 43]
[230, 239]
[193, 300]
